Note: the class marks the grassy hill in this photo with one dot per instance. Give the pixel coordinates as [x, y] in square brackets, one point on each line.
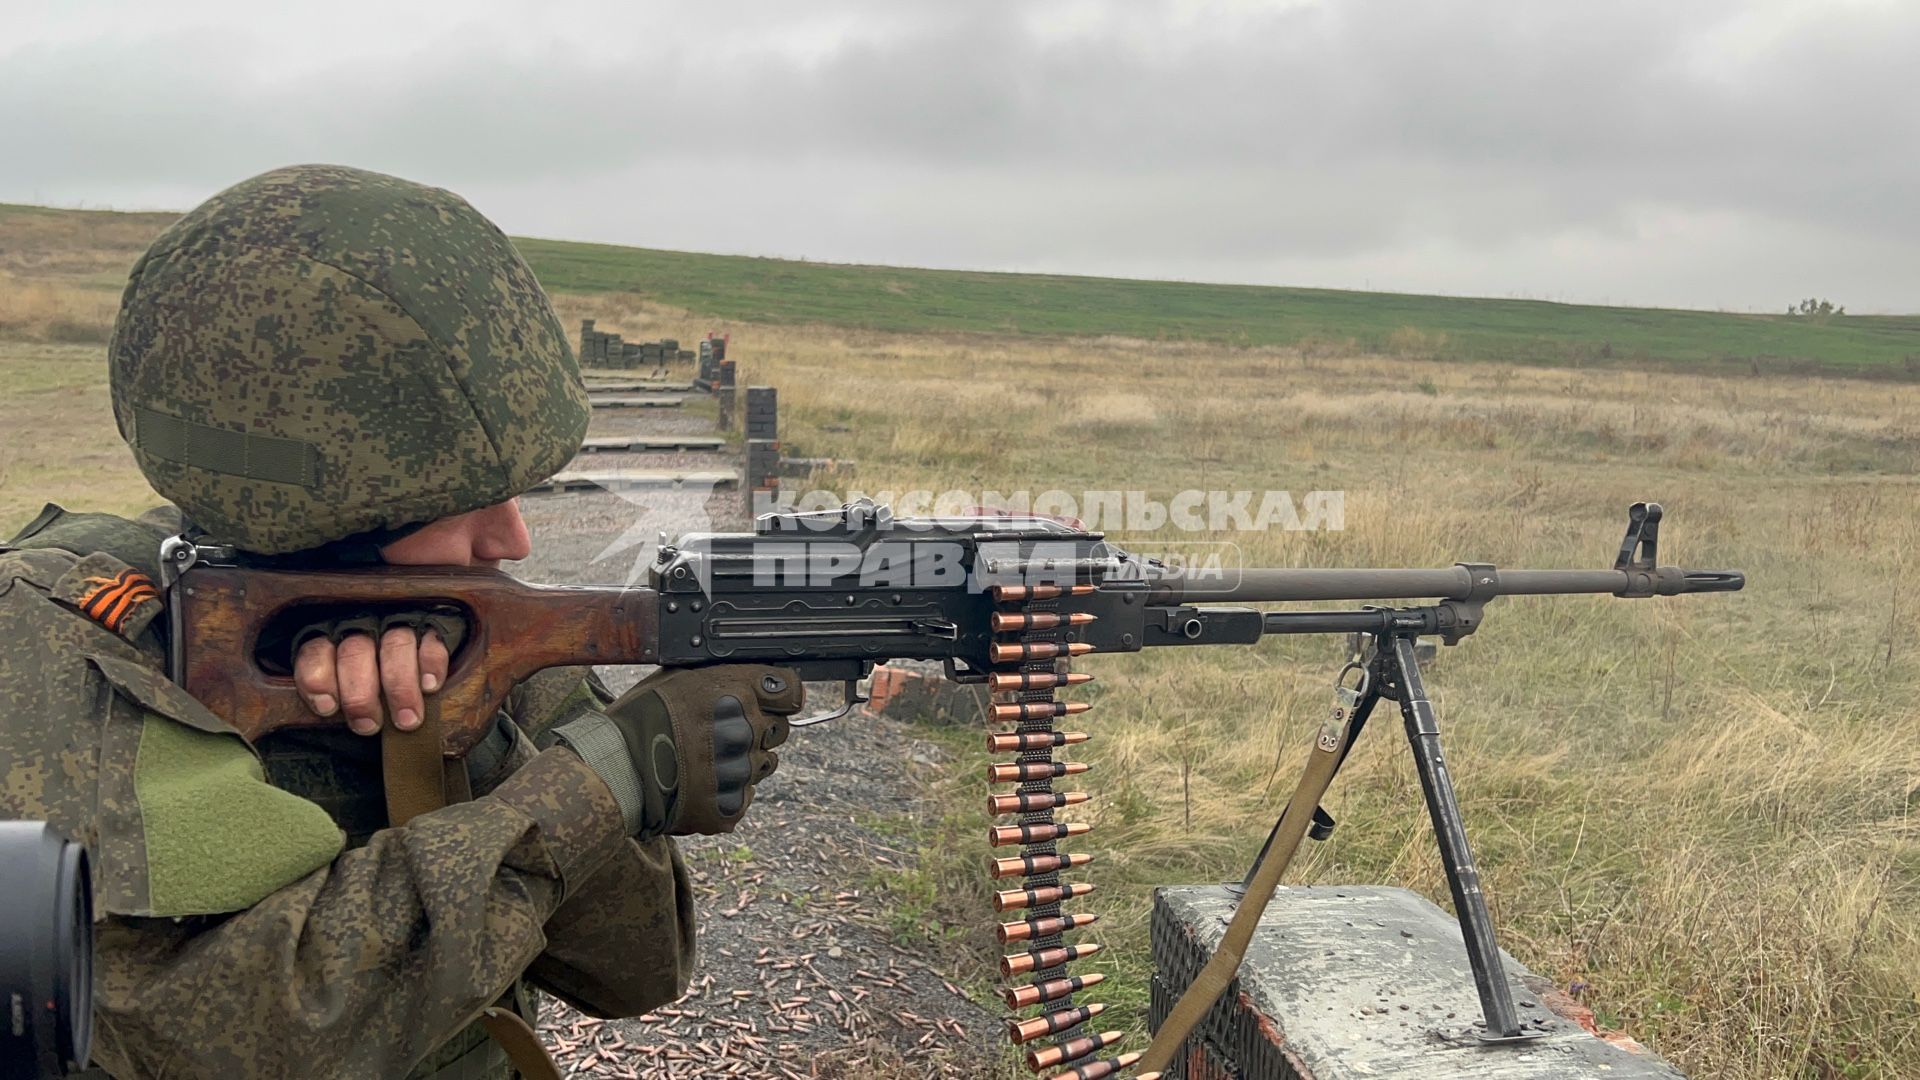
[1526, 331]
[89, 250]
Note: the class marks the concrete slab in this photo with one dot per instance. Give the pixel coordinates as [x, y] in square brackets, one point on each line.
[636, 386]
[609, 373]
[1365, 982]
[600, 444]
[636, 401]
[631, 479]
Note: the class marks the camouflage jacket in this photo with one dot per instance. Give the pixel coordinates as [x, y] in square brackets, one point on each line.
[239, 933]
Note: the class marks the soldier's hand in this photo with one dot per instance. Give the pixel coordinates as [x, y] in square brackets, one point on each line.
[684, 748]
[372, 670]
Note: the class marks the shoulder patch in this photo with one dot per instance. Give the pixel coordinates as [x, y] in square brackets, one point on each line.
[111, 601]
[111, 593]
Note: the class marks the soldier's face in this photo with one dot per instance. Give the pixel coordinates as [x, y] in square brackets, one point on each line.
[482, 537]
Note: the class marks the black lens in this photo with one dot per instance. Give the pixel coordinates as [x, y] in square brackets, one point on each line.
[46, 953]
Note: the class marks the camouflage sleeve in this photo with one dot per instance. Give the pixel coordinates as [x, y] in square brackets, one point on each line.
[363, 967]
[554, 696]
[622, 943]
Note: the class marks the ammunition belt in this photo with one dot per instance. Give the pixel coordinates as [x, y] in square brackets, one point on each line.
[1033, 658]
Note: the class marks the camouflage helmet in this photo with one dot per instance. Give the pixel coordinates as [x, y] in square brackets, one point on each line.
[321, 352]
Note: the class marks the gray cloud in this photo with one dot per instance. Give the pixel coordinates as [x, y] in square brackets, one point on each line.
[1715, 154]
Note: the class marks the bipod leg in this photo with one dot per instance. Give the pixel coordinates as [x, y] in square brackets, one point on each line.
[1463, 878]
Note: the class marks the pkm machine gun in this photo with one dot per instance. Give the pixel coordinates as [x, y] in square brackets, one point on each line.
[1009, 601]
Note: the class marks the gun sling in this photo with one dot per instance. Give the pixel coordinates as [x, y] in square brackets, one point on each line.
[419, 780]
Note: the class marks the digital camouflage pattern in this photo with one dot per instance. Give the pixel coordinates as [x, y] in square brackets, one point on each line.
[320, 352]
[83, 774]
[364, 967]
[363, 963]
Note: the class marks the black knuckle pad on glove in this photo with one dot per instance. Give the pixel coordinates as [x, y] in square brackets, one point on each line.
[341, 629]
[334, 630]
[732, 745]
[442, 619]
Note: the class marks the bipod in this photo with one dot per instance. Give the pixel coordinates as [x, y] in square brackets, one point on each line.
[1396, 675]
[1393, 672]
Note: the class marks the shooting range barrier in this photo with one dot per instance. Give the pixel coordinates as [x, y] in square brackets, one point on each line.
[601, 349]
[723, 393]
[919, 689]
[712, 351]
[606, 370]
[763, 443]
[1364, 982]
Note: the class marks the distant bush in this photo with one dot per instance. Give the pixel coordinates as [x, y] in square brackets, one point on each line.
[1815, 309]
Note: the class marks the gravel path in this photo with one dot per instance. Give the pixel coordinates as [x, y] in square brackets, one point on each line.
[797, 976]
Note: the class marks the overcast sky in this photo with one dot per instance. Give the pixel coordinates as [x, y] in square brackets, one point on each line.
[1700, 154]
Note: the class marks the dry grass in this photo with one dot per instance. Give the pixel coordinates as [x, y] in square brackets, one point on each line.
[91, 249]
[60, 440]
[1701, 810]
[40, 311]
[1698, 810]
[61, 273]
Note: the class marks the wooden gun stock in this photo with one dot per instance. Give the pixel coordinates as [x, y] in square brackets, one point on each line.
[514, 629]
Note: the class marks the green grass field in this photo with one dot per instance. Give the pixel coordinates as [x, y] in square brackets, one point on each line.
[1418, 327]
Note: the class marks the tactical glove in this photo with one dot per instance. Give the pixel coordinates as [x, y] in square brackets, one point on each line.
[440, 618]
[378, 666]
[682, 750]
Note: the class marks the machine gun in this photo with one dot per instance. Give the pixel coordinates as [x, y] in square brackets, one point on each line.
[1002, 600]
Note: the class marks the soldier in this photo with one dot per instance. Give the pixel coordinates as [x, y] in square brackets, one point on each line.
[331, 367]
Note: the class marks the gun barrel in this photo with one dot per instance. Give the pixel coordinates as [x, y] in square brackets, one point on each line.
[1457, 583]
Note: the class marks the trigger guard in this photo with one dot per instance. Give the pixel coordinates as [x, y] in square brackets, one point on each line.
[855, 697]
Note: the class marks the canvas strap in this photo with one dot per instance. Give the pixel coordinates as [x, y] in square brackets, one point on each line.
[1219, 970]
[523, 1048]
[418, 781]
